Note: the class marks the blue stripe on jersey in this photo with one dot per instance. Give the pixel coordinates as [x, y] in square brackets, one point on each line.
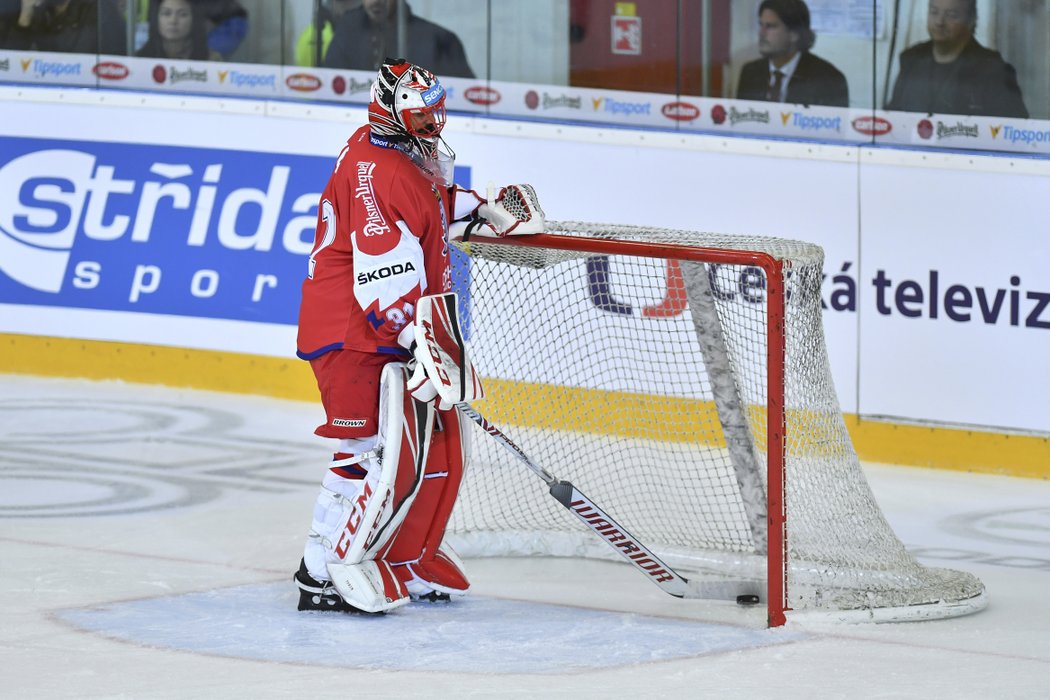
[317, 353]
[395, 350]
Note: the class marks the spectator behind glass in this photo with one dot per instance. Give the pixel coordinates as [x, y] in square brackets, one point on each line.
[66, 26]
[139, 11]
[366, 35]
[952, 73]
[9, 12]
[787, 71]
[227, 25]
[328, 14]
[177, 30]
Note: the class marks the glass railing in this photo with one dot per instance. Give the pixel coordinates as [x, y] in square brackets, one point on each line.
[958, 74]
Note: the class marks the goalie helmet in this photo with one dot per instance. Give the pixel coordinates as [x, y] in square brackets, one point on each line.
[407, 107]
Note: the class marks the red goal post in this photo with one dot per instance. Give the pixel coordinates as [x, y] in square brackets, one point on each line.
[742, 466]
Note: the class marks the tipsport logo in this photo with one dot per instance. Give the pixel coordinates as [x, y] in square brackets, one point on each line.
[40, 68]
[1029, 137]
[619, 107]
[809, 122]
[131, 227]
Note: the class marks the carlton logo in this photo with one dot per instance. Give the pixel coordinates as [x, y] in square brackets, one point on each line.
[680, 111]
[481, 95]
[872, 126]
[111, 70]
[303, 82]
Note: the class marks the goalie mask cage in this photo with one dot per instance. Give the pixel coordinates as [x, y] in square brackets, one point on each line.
[681, 379]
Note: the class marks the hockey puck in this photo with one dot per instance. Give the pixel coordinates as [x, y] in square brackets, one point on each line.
[747, 599]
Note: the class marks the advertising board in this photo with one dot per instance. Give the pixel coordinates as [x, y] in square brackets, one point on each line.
[192, 229]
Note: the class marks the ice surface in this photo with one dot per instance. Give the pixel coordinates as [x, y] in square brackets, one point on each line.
[148, 536]
[463, 636]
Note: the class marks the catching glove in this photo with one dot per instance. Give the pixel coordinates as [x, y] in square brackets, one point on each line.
[515, 211]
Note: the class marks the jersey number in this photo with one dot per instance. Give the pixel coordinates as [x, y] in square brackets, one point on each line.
[328, 219]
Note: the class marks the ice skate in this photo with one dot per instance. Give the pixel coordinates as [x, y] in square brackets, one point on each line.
[319, 596]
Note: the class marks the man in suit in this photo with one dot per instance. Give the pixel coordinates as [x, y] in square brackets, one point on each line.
[787, 71]
[952, 73]
[364, 36]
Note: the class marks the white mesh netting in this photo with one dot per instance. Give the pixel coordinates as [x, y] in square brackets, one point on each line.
[643, 381]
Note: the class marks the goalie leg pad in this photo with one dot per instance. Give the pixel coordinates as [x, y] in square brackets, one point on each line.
[356, 517]
[441, 573]
[370, 586]
[423, 562]
[393, 481]
[332, 511]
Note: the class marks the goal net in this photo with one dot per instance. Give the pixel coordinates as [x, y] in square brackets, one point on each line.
[681, 380]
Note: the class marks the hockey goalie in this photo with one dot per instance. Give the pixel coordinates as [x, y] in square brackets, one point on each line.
[379, 326]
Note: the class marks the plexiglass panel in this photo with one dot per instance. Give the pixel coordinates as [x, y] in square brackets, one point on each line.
[961, 74]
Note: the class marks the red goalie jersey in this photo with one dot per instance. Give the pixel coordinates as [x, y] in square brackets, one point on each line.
[381, 243]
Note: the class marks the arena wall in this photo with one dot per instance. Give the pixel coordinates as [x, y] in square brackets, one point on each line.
[162, 239]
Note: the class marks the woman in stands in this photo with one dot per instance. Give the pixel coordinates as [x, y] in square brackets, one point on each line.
[177, 30]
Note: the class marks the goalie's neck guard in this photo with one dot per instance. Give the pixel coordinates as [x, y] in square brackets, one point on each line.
[439, 166]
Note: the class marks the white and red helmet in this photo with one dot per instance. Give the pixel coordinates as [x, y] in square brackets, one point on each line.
[408, 109]
[408, 104]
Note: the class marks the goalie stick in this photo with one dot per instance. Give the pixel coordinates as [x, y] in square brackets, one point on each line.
[623, 542]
